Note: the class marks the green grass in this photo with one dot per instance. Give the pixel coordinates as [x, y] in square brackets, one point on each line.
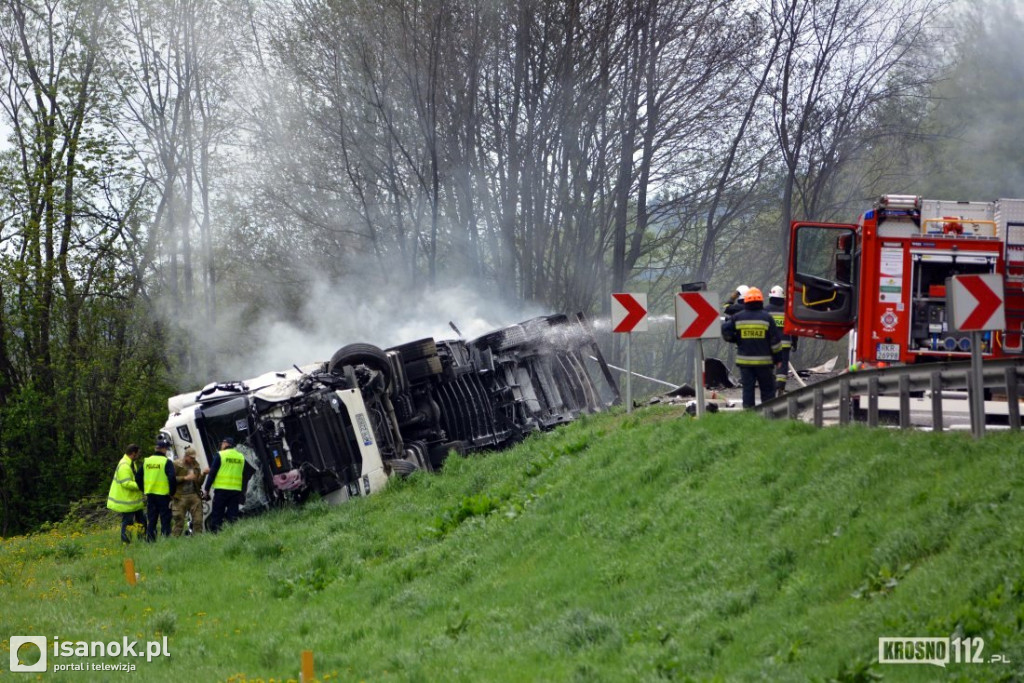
[642, 547]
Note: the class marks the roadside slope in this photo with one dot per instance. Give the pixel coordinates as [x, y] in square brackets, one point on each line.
[650, 546]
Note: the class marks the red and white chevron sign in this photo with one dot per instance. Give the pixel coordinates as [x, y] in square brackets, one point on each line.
[697, 315]
[629, 312]
[978, 302]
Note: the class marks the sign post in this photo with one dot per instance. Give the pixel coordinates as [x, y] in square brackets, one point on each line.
[977, 305]
[697, 318]
[629, 314]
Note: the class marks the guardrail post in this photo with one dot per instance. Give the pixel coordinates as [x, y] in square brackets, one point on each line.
[819, 407]
[793, 408]
[1012, 399]
[873, 401]
[844, 402]
[904, 402]
[936, 388]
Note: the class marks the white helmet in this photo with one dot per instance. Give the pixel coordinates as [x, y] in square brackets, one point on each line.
[777, 292]
[742, 291]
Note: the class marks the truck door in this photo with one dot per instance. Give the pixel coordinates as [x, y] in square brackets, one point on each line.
[822, 299]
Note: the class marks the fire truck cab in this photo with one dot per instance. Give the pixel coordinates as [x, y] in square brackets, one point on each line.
[883, 280]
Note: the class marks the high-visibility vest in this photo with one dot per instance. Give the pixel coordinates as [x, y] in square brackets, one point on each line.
[124, 494]
[229, 476]
[154, 476]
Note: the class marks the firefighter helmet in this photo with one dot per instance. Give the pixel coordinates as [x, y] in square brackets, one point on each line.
[753, 294]
[741, 291]
[777, 292]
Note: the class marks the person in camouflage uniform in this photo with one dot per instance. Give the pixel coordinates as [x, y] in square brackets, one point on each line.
[186, 497]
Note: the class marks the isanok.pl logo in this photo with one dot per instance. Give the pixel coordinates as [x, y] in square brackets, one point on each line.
[23, 649]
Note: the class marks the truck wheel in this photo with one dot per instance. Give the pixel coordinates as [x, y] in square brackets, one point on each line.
[438, 454]
[403, 468]
[422, 368]
[360, 354]
[422, 348]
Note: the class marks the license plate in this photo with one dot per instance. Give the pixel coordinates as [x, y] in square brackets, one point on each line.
[888, 352]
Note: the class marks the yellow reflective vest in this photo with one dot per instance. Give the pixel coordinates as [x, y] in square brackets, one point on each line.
[124, 495]
[229, 476]
[154, 476]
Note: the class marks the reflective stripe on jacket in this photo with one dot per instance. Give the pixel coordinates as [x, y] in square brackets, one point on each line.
[229, 476]
[124, 494]
[757, 338]
[778, 312]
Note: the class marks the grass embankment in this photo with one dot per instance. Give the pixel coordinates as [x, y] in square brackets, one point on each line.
[641, 547]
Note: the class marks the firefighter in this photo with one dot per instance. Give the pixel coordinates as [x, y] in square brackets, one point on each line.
[734, 304]
[156, 478]
[225, 479]
[777, 307]
[186, 497]
[125, 496]
[758, 343]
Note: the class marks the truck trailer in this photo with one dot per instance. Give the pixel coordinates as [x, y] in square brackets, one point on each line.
[341, 428]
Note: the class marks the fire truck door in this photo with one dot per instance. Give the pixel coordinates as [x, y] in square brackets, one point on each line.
[822, 280]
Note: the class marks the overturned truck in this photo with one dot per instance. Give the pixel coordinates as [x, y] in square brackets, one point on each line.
[343, 427]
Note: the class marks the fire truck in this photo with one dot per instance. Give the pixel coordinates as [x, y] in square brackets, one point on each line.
[884, 279]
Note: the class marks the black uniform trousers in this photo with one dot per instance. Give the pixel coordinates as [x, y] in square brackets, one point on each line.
[225, 507]
[158, 507]
[761, 375]
[129, 518]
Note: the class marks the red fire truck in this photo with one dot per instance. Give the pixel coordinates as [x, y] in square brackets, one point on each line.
[883, 280]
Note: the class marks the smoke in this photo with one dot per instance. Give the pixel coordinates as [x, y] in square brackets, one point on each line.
[336, 314]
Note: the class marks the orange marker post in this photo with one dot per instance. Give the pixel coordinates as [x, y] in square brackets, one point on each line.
[129, 571]
[307, 666]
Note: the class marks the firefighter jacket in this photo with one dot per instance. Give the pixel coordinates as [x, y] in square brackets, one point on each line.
[158, 475]
[124, 495]
[186, 487]
[778, 312]
[757, 338]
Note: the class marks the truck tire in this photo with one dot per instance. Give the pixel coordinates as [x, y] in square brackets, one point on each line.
[403, 468]
[422, 368]
[438, 454]
[421, 348]
[360, 354]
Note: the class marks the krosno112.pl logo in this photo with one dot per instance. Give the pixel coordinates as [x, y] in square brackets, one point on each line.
[935, 651]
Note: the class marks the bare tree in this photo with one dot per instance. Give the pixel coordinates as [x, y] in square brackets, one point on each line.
[836, 67]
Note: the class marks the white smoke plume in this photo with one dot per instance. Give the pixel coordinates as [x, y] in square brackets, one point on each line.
[335, 315]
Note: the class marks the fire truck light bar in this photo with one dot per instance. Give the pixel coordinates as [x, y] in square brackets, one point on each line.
[899, 202]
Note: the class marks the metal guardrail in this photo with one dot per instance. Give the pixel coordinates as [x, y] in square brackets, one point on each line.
[1003, 374]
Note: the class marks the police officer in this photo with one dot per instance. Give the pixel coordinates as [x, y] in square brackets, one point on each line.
[156, 478]
[758, 342]
[225, 479]
[125, 496]
[186, 497]
[777, 307]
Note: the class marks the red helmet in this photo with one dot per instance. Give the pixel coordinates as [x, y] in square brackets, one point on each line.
[753, 294]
